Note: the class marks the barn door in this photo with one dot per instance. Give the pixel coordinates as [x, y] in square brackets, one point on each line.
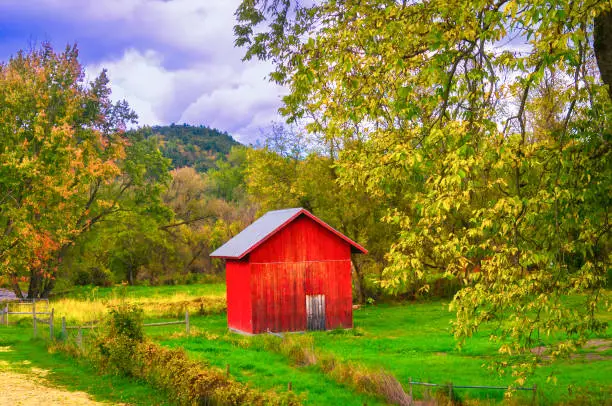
[315, 312]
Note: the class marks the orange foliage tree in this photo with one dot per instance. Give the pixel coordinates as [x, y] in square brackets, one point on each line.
[62, 142]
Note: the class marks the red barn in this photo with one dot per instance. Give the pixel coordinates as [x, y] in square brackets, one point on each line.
[288, 271]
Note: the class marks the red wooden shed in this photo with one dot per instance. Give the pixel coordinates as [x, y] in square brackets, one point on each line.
[288, 271]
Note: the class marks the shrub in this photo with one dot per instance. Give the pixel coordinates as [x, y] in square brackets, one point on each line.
[126, 321]
[101, 277]
[124, 331]
[117, 355]
[82, 278]
[123, 349]
[194, 384]
[93, 276]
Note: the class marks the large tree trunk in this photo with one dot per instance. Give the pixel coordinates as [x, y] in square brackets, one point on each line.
[16, 288]
[130, 275]
[48, 287]
[602, 44]
[359, 283]
[35, 284]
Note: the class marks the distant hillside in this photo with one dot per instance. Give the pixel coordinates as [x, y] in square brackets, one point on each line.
[198, 147]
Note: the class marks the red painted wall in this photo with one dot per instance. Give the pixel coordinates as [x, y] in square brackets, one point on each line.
[302, 240]
[279, 294]
[302, 259]
[239, 305]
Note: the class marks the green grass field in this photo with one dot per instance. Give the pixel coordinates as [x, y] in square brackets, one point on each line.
[411, 340]
[139, 292]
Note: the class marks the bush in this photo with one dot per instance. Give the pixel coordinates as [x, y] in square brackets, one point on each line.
[124, 331]
[123, 349]
[82, 278]
[189, 382]
[101, 277]
[126, 321]
[93, 276]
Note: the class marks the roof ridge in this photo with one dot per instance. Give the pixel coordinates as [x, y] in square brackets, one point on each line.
[265, 226]
[279, 210]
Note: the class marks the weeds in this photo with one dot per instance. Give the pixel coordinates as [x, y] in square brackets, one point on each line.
[94, 308]
[300, 351]
[122, 349]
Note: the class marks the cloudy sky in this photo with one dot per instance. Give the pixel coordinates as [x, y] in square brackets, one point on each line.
[174, 61]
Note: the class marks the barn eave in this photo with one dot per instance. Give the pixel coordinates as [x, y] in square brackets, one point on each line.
[240, 246]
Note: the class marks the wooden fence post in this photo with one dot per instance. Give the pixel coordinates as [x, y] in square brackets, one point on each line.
[410, 385]
[34, 315]
[535, 391]
[450, 392]
[187, 321]
[64, 335]
[289, 386]
[227, 370]
[51, 332]
[80, 338]
[6, 312]
[2, 312]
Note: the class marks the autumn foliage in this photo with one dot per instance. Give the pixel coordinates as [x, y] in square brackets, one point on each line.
[60, 139]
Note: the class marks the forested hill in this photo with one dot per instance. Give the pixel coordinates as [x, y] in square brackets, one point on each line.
[197, 147]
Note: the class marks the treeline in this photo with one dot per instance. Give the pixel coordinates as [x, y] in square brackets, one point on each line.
[82, 200]
[198, 212]
[198, 147]
[85, 201]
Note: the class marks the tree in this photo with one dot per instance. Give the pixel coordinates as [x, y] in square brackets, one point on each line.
[125, 234]
[436, 117]
[277, 179]
[228, 177]
[602, 40]
[209, 209]
[66, 162]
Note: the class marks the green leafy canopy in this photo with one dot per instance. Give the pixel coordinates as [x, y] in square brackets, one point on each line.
[484, 128]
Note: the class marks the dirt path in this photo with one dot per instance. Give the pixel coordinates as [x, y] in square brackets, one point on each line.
[26, 390]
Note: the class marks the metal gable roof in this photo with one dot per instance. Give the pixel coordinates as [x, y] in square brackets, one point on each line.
[264, 227]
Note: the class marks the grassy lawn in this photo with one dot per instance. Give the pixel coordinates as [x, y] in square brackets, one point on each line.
[411, 341]
[149, 292]
[211, 342]
[414, 341]
[84, 303]
[267, 370]
[22, 354]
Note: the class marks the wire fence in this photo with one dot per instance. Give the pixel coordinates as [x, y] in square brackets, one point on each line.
[451, 387]
[33, 311]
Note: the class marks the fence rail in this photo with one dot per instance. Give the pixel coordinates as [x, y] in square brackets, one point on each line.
[4, 313]
[411, 382]
[451, 387]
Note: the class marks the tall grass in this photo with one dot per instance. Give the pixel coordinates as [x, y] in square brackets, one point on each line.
[91, 305]
[300, 351]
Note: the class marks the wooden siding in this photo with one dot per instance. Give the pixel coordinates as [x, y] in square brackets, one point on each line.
[239, 305]
[302, 240]
[279, 294]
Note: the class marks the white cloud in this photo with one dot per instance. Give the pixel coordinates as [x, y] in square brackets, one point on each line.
[237, 99]
[172, 60]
